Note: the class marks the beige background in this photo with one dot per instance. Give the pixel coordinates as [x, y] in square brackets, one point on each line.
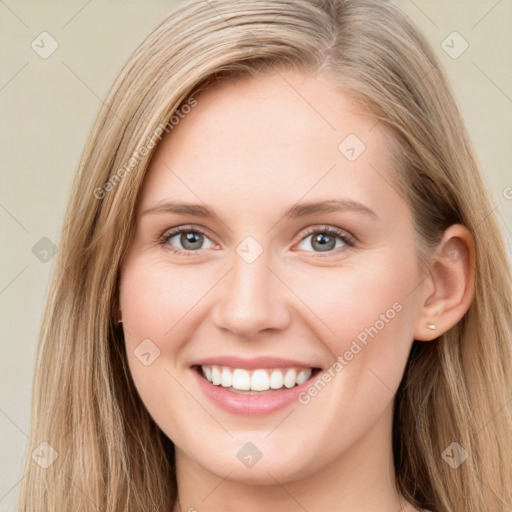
[48, 107]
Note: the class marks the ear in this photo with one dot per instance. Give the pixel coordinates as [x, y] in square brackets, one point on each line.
[448, 290]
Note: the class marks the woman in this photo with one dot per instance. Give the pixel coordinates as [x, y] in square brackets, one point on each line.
[280, 283]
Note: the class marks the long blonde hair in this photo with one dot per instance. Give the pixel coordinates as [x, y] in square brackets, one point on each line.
[110, 453]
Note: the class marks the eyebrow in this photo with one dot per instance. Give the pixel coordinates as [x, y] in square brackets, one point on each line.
[298, 210]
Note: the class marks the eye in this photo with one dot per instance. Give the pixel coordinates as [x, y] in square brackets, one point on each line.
[326, 239]
[190, 239]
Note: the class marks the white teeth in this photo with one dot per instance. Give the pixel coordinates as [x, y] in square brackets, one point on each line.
[289, 378]
[259, 380]
[241, 379]
[276, 379]
[303, 376]
[207, 373]
[226, 378]
[216, 378]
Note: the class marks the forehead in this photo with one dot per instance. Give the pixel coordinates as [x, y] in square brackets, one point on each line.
[277, 136]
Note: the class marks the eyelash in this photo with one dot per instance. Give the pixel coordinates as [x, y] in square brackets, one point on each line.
[349, 241]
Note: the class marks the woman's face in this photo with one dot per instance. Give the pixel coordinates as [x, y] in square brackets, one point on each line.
[296, 254]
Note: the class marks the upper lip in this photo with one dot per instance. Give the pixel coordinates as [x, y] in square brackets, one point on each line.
[253, 362]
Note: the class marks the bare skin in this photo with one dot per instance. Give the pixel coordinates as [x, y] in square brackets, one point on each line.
[251, 149]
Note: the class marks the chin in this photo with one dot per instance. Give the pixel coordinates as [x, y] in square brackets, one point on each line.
[271, 466]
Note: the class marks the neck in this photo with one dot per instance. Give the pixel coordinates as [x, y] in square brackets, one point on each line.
[360, 479]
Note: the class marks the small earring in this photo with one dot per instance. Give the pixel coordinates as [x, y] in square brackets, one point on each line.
[432, 326]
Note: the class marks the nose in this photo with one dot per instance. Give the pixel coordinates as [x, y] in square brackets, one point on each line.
[251, 299]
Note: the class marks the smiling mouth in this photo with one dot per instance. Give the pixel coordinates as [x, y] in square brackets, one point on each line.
[255, 381]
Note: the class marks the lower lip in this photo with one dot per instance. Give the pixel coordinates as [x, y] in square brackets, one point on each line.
[251, 405]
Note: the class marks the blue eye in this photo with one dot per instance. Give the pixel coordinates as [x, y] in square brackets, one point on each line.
[323, 239]
[191, 239]
[326, 239]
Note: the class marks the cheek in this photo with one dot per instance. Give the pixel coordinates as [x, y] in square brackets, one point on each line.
[371, 312]
[351, 298]
[153, 302]
[156, 303]
[365, 315]
[155, 298]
